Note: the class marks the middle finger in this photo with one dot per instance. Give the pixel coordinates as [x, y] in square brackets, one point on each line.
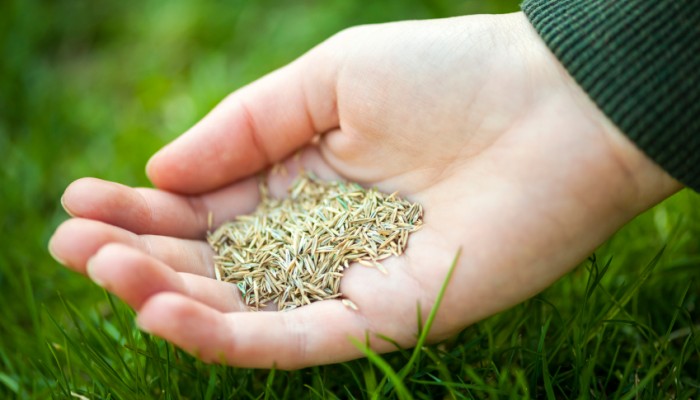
[78, 239]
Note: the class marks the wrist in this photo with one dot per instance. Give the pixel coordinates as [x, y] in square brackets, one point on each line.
[648, 183]
[632, 179]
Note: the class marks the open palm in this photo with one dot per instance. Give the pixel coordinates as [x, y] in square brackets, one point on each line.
[472, 117]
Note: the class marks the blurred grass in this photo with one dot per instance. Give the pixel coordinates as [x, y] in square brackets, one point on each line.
[93, 88]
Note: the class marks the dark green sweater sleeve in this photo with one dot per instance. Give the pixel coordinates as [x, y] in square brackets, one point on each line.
[639, 60]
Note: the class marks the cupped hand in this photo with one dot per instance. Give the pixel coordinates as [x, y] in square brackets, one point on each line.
[470, 116]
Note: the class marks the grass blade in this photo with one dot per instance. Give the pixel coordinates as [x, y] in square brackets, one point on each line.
[628, 294]
[544, 365]
[393, 377]
[10, 382]
[431, 318]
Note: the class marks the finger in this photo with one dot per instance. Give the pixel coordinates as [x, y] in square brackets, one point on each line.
[77, 240]
[151, 211]
[311, 335]
[257, 125]
[135, 277]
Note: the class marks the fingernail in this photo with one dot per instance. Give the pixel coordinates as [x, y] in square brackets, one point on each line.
[142, 326]
[91, 272]
[148, 167]
[65, 207]
[52, 252]
[150, 163]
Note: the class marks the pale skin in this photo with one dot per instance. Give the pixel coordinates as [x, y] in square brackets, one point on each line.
[473, 117]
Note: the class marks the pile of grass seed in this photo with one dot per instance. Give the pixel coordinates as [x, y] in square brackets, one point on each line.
[293, 251]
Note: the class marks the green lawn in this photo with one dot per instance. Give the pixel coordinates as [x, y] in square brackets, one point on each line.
[91, 89]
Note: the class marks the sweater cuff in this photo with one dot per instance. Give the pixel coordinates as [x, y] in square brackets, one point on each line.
[639, 61]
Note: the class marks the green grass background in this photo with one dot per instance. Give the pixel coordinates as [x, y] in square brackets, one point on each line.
[93, 88]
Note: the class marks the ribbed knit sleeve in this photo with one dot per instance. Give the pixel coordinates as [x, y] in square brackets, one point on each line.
[639, 60]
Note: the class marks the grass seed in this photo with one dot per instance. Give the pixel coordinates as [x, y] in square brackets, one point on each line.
[293, 251]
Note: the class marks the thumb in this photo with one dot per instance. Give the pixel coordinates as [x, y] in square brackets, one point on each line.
[253, 127]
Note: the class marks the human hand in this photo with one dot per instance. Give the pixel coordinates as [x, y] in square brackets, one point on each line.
[471, 116]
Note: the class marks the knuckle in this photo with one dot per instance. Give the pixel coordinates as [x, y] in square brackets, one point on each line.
[297, 355]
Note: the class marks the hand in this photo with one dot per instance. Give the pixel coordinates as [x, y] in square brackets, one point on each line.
[471, 116]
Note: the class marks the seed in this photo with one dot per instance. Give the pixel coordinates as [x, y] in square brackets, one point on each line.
[293, 251]
[349, 304]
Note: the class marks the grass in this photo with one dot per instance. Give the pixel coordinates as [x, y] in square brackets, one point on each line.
[82, 92]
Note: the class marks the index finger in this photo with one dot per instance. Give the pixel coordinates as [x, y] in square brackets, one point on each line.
[253, 127]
